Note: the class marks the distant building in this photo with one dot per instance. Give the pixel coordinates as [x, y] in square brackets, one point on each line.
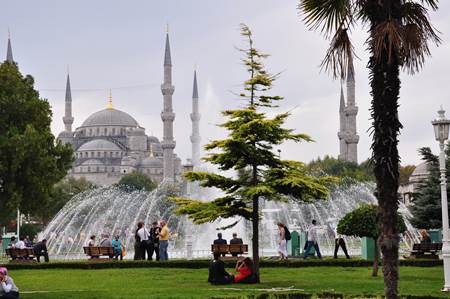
[406, 191]
[110, 143]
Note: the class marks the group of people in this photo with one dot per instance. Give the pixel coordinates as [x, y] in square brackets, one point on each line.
[312, 241]
[152, 241]
[115, 243]
[39, 248]
[244, 271]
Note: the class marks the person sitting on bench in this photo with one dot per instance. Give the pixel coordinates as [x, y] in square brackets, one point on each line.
[217, 273]
[244, 267]
[424, 237]
[40, 249]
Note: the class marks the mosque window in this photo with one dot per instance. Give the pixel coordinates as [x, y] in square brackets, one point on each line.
[86, 154]
[117, 154]
[92, 154]
[111, 154]
[114, 131]
[112, 169]
[98, 131]
[98, 154]
[89, 169]
[90, 132]
[97, 169]
[105, 130]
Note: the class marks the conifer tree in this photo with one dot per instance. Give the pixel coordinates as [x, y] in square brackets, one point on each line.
[426, 210]
[249, 151]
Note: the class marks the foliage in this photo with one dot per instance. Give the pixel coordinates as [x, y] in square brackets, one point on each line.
[191, 283]
[339, 168]
[426, 210]
[30, 229]
[30, 161]
[362, 222]
[136, 181]
[404, 173]
[249, 151]
[399, 34]
[61, 193]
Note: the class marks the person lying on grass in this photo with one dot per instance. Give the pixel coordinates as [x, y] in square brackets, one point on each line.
[8, 290]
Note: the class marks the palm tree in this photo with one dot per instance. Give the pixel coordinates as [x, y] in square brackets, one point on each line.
[399, 35]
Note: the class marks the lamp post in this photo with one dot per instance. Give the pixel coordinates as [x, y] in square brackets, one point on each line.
[441, 127]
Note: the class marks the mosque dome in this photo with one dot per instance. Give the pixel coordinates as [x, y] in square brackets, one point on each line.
[110, 117]
[98, 145]
[152, 162]
[420, 172]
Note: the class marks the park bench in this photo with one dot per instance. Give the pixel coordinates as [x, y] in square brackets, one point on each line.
[25, 254]
[99, 251]
[430, 251]
[229, 248]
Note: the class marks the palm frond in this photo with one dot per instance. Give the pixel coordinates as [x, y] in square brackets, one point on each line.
[339, 54]
[417, 31]
[387, 39]
[328, 15]
[431, 3]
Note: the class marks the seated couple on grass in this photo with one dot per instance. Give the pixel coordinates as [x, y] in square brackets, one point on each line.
[218, 275]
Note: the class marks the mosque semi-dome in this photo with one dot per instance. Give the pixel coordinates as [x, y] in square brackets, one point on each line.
[98, 144]
[152, 162]
[110, 117]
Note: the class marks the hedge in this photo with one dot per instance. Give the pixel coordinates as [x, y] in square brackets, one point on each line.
[201, 264]
[325, 295]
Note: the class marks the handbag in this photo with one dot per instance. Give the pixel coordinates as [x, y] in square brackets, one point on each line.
[123, 252]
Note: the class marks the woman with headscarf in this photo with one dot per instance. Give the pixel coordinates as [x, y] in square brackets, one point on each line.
[8, 290]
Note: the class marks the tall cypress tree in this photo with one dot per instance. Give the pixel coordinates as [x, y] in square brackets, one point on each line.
[426, 209]
[248, 150]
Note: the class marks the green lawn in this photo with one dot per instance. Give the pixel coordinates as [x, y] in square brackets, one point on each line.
[191, 283]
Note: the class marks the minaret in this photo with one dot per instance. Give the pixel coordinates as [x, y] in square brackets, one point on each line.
[195, 118]
[167, 115]
[68, 118]
[9, 54]
[342, 128]
[351, 137]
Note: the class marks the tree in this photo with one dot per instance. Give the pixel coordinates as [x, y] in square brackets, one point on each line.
[335, 167]
[61, 193]
[249, 151]
[404, 173]
[399, 35]
[136, 181]
[426, 210]
[31, 162]
[363, 222]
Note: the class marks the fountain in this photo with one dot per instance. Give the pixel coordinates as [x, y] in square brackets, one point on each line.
[112, 211]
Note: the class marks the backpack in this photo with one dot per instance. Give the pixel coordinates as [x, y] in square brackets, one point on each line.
[287, 234]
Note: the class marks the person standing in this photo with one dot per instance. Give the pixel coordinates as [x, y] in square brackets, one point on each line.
[312, 241]
[164, 235]
[8, 290]
[282, 243]
[339, 242]
[40, 249]
[154, 240]
[117, 245]
[143, 234]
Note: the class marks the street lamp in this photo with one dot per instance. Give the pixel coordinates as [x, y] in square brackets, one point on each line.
[441, 127]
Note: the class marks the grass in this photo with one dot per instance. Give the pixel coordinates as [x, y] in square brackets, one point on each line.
[191, 283]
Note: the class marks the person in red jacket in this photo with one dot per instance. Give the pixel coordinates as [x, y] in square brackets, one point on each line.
[244, 267]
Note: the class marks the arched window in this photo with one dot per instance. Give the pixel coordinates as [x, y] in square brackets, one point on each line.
[98, 154]
[112, 169]
[89, 169]
[106, 131]
[111, 154]
[114, 131]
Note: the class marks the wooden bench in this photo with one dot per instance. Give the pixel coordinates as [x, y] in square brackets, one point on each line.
[25, 254]
[98, 251]
[430, 251]
[229, 248]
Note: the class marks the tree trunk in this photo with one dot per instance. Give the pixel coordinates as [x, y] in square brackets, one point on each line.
[385, 85]
[255, 239]
[376, 260]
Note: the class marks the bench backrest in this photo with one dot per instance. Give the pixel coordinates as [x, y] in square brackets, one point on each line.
[232, 248]
[98, 250]
[16, 252]
[427, 247]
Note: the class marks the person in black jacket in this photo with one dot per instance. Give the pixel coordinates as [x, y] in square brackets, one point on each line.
[217, 273]
[154, 241]
[40, 249]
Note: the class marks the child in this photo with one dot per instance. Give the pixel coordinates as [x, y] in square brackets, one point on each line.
[8, 290]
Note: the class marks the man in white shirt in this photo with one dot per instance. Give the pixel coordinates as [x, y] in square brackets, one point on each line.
[21, 243]
[312, 241]
[143, 236]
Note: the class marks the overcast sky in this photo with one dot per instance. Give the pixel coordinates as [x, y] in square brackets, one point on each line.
[119, 45]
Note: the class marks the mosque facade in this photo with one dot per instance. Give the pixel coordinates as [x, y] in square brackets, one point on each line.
[110, 143]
